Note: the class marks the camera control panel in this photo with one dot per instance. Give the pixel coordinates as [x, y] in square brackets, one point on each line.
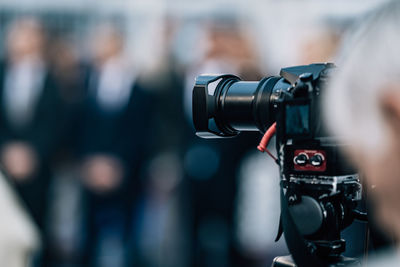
[309, 160]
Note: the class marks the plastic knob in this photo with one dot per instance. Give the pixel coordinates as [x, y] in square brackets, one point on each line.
[301, 159]
[317, 160]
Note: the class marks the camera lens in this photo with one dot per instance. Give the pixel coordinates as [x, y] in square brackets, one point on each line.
[234, 105]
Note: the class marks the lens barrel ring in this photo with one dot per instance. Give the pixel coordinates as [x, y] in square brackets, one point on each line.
[262, 101]
[220, 96]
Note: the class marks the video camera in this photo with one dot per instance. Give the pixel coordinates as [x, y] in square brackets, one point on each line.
[319, 188]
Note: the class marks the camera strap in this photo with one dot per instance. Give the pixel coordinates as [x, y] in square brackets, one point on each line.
[280, 229]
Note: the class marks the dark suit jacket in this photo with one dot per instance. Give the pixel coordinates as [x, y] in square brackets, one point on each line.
[122, 133]
[42, 131]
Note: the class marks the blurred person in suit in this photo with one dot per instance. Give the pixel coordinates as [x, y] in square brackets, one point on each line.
[66, 209]
[70, 75]
[111, 144]
[211, 166]
[160, 222]
[28, 114]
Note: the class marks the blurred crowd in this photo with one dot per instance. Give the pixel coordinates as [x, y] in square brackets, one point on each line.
[104, 157]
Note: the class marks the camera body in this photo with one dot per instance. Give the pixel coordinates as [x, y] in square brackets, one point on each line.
[319, 188]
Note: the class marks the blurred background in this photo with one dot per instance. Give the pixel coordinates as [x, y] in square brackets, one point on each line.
[96, 133]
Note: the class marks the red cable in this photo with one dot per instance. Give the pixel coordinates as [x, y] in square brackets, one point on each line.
[266, 139]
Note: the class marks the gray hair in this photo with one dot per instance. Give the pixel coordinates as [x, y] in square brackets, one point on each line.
[367, 66]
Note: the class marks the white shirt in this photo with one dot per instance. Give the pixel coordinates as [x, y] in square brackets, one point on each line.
[115, 84]
[23, 86]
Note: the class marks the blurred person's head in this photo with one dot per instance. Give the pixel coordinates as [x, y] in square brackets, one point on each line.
[229, 43]
[220, 40]
[25, 38]
[362, 105]
[226, 40]
[107, 43]
[63, 55]
[319, 43]
[66, 68]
